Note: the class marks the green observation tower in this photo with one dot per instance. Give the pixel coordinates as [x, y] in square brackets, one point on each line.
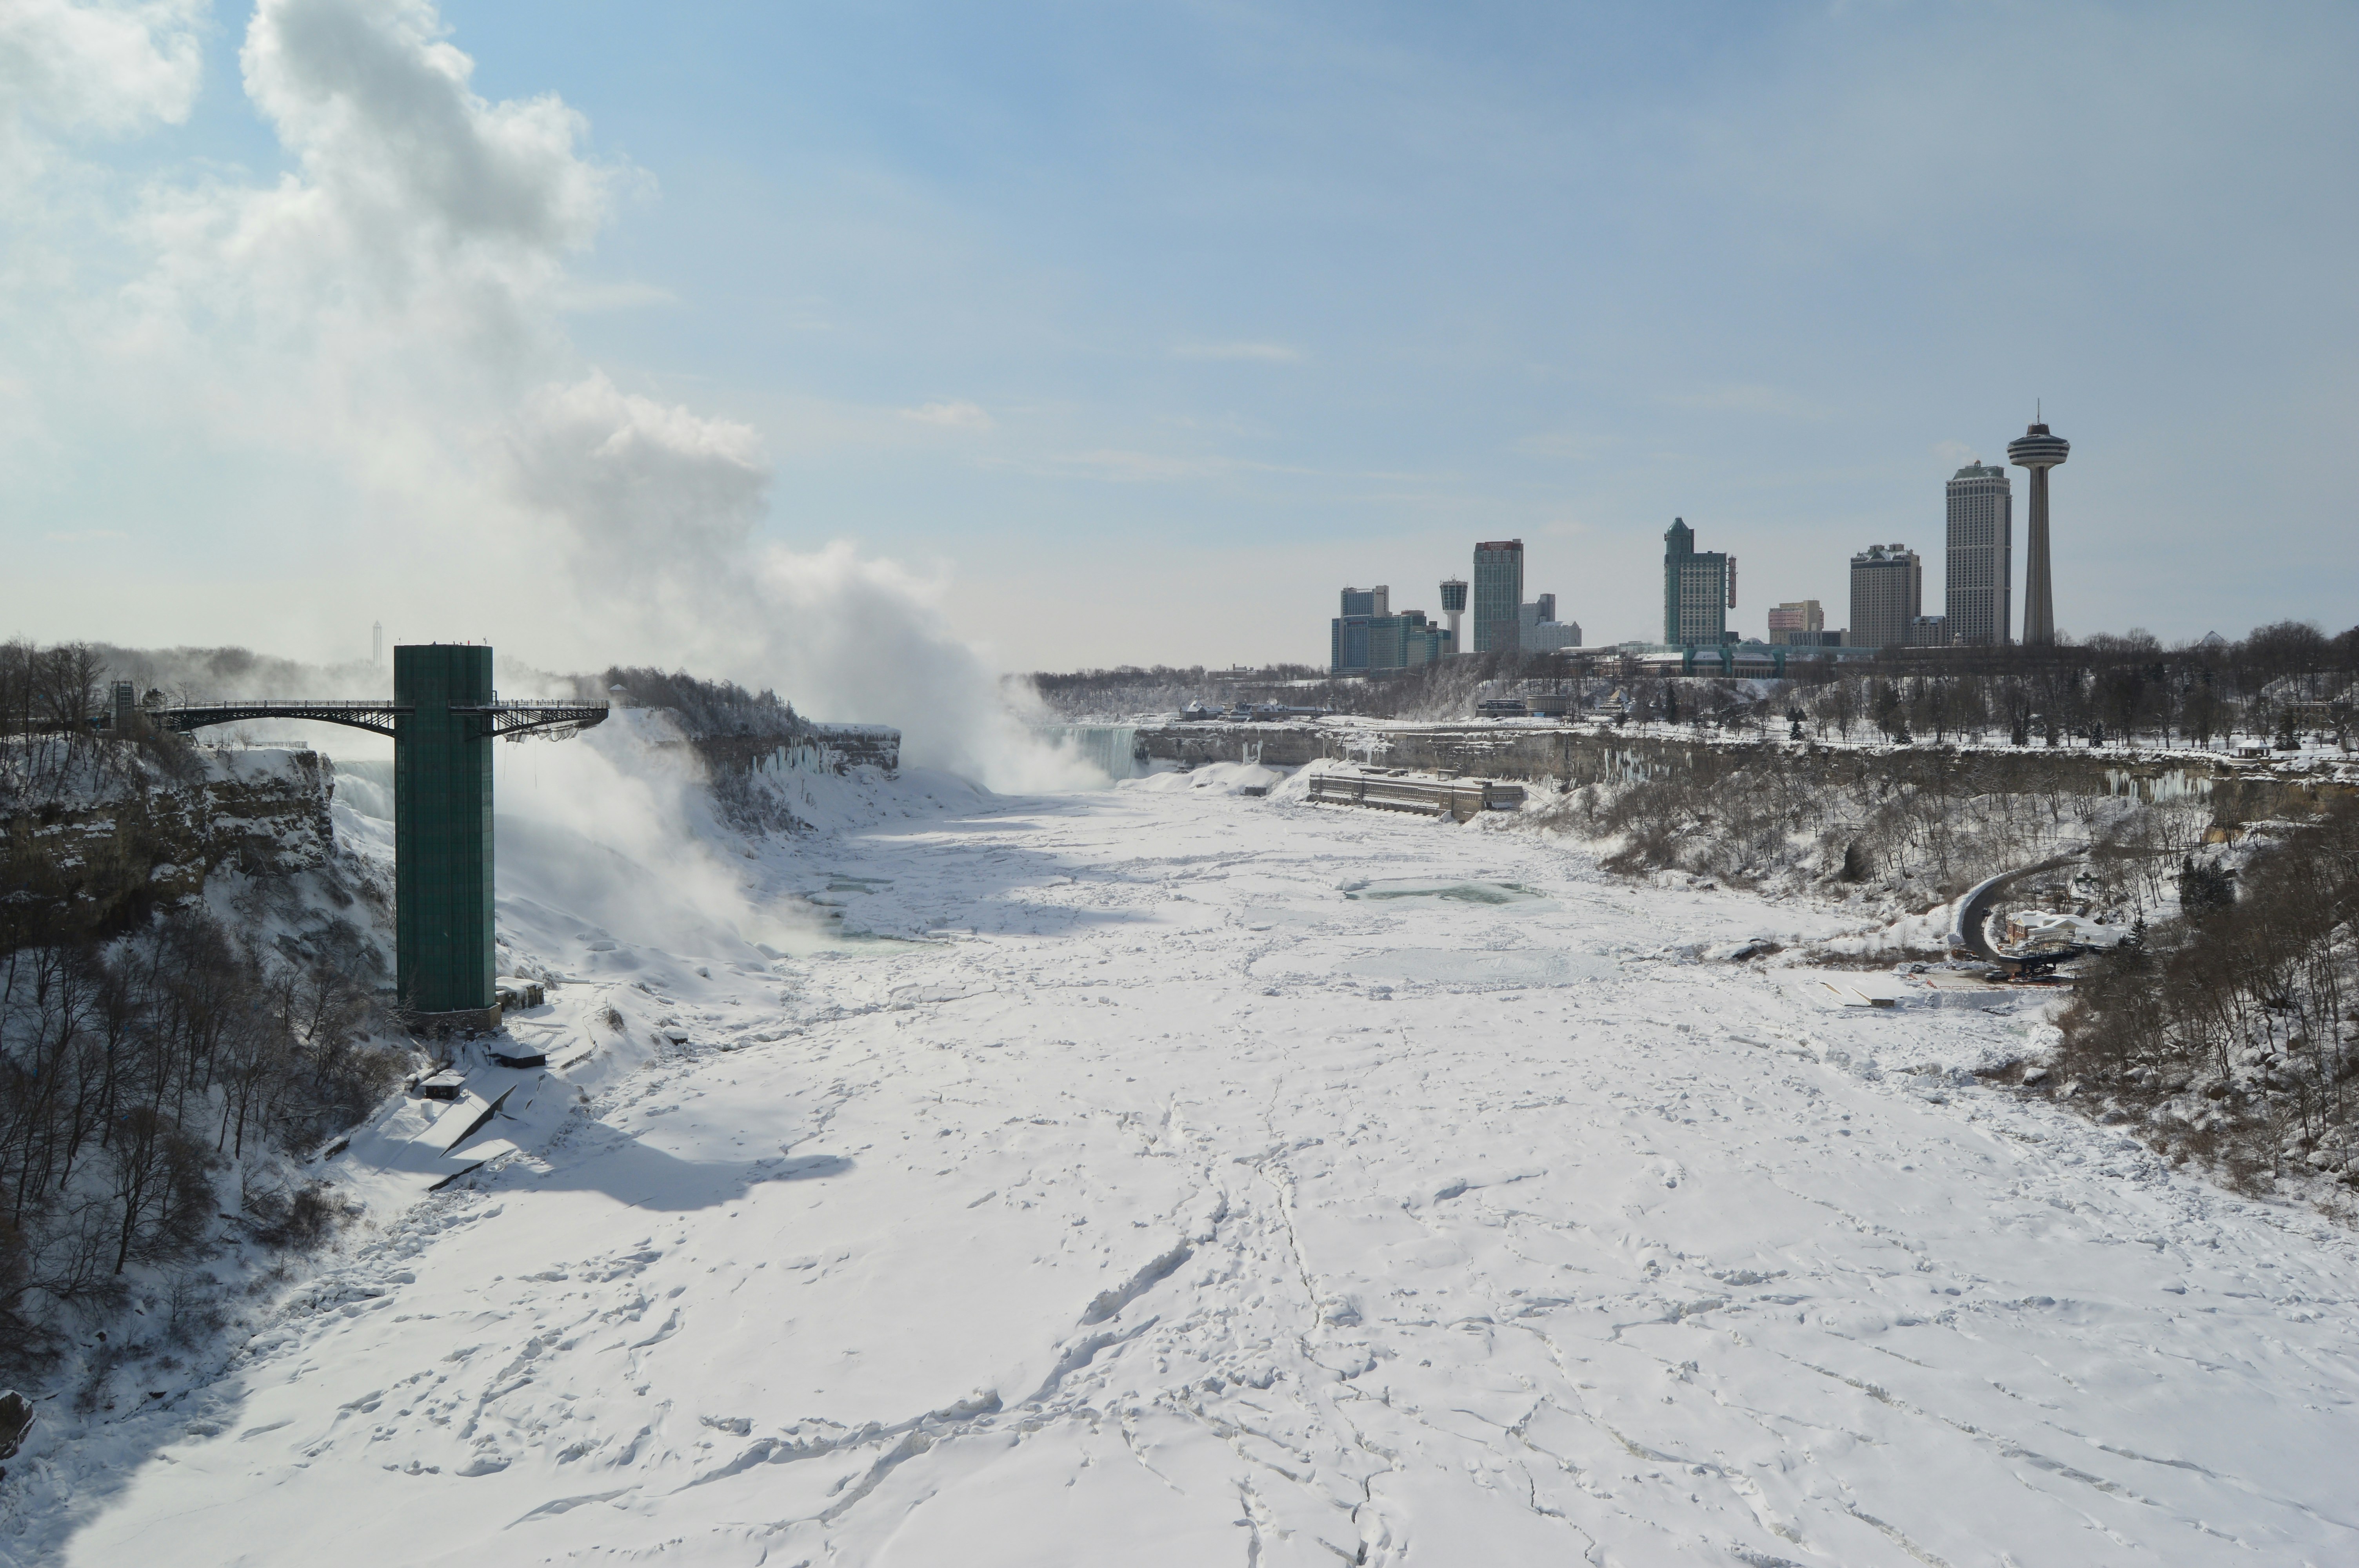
[444, 716]
[442, 827]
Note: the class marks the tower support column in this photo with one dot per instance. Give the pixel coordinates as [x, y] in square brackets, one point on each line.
[2038, 598]
[442, 836]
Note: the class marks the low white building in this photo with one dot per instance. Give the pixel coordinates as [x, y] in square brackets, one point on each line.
[1539, 631]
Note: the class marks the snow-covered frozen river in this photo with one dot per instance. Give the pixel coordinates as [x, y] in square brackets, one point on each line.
[1183, 1200]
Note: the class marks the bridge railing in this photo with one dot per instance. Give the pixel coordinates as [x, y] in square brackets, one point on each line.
[288, 705]
[507, 719]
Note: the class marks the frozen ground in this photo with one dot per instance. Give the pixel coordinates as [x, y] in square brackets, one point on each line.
[1227, 1180]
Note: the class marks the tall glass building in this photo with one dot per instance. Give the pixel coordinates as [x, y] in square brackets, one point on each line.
[1978, 599]
[1498, 596]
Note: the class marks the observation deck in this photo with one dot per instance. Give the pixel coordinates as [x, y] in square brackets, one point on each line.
[2037, 447]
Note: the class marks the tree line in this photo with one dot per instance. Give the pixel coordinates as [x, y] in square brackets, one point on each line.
[2281, 682]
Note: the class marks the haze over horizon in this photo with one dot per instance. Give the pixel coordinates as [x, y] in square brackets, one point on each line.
[810, 346]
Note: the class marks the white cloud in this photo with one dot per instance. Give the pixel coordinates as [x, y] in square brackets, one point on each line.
[950, 416]
[633, 479]
[576, 297]
[1267, 353]
[96, 69]
[421, 209]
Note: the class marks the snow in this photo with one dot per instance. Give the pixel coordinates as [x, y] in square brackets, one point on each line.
[1217, 1179]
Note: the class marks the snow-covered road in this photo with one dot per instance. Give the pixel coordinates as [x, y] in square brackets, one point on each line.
[1239, 1181]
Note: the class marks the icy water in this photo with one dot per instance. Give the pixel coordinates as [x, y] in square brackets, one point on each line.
[1165, 1207]
[1458, 892]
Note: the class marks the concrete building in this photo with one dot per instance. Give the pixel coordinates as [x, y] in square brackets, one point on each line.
[1453, 608]
[1699, 588]
[1359, 643]
[1499, 595]
[1350, 647]
[1887, 592]
[1978, 586]
[1796, 623]
[2038, 449]
[1539, 631]
[1929, 631]
[1425, 642]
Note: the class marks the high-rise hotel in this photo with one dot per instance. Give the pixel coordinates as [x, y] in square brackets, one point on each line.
[1498, 596]
[1979, 603]
[1699, 588]
[1887, 592]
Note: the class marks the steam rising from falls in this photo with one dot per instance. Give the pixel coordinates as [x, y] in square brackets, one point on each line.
[381, 330]
[610, 838]
[656, 511]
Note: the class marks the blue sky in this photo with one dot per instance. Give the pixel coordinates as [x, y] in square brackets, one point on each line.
[1132, 332]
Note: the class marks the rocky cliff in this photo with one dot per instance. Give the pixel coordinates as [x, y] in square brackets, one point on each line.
[95, 852]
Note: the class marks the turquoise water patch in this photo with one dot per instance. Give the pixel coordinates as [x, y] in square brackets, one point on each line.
[1466, 891]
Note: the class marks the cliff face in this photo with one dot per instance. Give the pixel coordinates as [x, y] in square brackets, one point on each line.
[91, 860]
[1584, 755]
[809, 748]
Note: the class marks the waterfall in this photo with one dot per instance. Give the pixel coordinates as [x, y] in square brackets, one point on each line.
[1110, 748]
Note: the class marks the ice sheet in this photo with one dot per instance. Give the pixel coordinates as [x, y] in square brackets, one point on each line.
[1165, 1206]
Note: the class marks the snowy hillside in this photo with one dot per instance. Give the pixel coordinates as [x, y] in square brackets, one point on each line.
[1202, 1178]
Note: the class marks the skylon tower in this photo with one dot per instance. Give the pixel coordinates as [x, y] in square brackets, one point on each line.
[2038, 449]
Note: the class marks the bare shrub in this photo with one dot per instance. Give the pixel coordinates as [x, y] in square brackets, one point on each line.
[2232, 1026]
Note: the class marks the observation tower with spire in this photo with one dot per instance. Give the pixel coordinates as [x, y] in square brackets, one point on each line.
[2038, 449]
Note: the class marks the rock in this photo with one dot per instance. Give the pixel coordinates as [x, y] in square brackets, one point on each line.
[15, 1421]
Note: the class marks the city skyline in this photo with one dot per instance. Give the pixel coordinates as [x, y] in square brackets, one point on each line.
[1977, 589]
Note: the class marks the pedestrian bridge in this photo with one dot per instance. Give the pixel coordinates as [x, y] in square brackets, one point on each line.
[501, 718]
